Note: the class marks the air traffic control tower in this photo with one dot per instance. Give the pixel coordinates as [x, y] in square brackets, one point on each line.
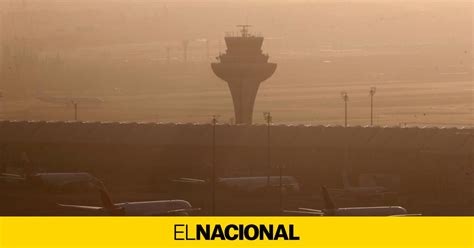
[243, 66]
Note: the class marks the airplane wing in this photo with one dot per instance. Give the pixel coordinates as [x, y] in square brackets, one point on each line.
[11, 177]
[301, 212]
[81, 207]
[310, 210]
[79, 210]
[62, 179]
[189, 180]
[184, 211]
[405, 215]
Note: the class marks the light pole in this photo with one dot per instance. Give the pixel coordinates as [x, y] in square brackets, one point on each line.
[372, 93]
[345, 97]
[75, 110]
[1, 104]
[213, 177]
[280, 168]
[268, 118]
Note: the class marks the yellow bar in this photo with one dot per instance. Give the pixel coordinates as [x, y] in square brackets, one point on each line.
[407, 232]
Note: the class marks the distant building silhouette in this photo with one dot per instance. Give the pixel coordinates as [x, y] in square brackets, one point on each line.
[18, 53]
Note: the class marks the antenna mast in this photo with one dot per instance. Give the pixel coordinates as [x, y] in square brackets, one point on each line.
[244, 30]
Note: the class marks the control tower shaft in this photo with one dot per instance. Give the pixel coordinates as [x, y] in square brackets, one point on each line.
[243, 67]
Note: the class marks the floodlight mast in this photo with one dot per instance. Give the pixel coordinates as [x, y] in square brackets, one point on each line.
[1, 93]
[75, 109]
[372, 93]
[213, 177]
[345, 98]
[280, 170]
[268, 118]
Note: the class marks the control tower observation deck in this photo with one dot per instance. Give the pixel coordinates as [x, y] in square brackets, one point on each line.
[243, 66]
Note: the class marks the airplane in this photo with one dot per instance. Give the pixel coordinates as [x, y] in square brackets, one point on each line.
[247, 185]
[142, 208]
[39, 191]
[365, 193]
[330, 209]
[33, 193]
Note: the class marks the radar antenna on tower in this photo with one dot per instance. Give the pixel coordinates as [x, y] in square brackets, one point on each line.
[244, 30]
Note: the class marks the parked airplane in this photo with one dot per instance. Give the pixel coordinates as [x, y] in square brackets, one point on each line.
[330, 209]
[365, 193]
[248, 184]
[37, 194]
[143, 208]
[39, 190]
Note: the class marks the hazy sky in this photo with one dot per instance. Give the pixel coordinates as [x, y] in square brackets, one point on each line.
[94, 47]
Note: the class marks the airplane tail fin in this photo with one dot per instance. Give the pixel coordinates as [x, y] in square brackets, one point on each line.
[107, 202]
[328, 202]
[29, 168]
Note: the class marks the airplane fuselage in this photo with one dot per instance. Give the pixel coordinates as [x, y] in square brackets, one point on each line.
[367, 211]
[153, 208]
